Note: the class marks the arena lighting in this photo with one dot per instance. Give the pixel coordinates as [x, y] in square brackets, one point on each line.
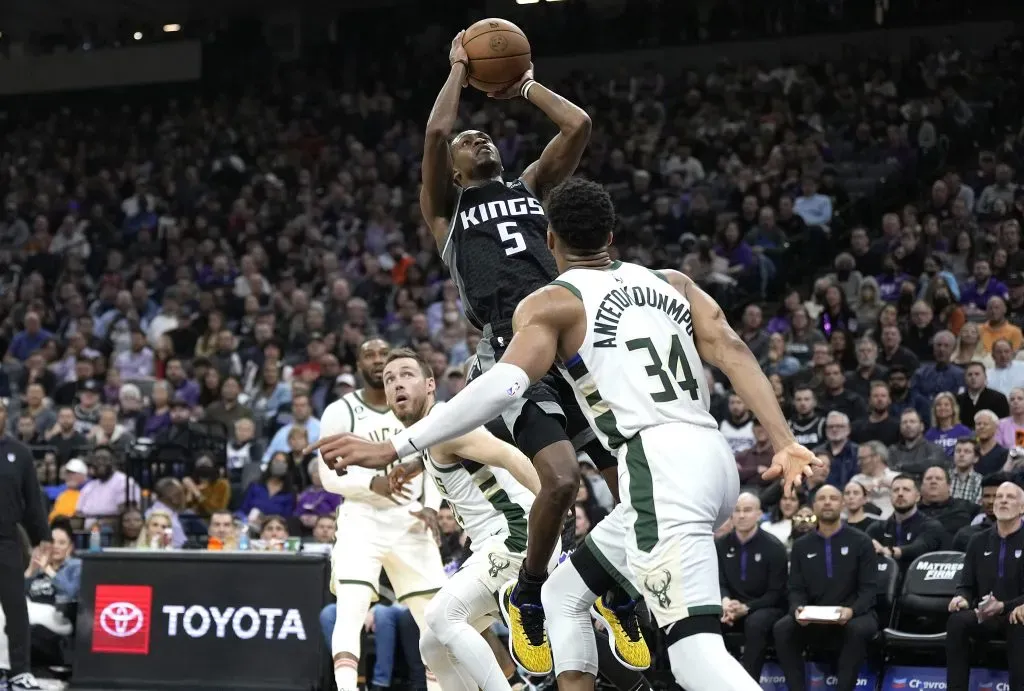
[171, 28]
[527, 2]
[137, 35]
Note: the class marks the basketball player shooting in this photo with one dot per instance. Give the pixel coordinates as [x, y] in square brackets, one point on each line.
[492, 237]
[630, 340]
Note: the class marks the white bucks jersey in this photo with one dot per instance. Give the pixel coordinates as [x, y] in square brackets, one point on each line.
[352, 414]
[486, 501]
[638, 366]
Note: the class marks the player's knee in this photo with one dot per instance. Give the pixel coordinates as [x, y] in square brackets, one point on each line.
[436, 615]
[431, 647]
[560, 477]
[353, 604]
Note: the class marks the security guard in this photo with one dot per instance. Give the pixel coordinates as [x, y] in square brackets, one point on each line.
[991, 588]
[21, 502]
[832, 567]
[752, 567]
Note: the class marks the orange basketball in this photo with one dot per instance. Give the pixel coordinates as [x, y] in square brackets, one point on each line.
[498, 52]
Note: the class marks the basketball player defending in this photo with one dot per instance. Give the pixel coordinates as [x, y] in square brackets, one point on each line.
[633, 343]
[375, 526]
[490, 486]
[492, 237]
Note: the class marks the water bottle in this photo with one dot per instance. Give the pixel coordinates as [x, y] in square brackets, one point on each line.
[243, 538]
[95, 539]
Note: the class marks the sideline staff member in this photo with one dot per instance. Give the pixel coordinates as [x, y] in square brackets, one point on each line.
[752, 568]
[21, 502]
[833, 567]
[993, 565]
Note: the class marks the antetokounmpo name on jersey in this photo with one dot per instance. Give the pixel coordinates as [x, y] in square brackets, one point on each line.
[618, 300]
[498, 209]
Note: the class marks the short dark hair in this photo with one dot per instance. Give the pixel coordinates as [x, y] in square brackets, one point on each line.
[975, 363]
[971, 442]
[945, 471]
[403, 353]
[581, 214]
[907, 476]
[995, 479]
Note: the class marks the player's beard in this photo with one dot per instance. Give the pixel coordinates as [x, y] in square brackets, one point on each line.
[373, 380]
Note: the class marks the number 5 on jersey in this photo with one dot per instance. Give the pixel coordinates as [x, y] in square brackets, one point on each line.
[508, 233]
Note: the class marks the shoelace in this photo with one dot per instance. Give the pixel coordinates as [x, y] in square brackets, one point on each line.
[27, 680]
[533, 622]
[630, 623]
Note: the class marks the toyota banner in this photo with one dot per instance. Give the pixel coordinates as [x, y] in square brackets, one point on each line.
[200, 620]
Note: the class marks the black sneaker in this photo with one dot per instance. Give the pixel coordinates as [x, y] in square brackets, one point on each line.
[24, 682]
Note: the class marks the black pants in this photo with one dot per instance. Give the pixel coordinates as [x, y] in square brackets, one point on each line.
[961, 628]
[851, 640]
[756, 628]
[12, 599]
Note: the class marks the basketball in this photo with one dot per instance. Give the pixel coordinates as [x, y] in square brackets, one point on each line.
[498, 52]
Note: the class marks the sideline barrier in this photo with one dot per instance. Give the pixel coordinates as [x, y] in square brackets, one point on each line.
[201, 621]
[896, 678]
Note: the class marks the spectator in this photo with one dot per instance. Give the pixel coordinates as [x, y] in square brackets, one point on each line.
[829, 567]
[302, 416]
[808, 426]
[983, 286]
[227, 410]
[861, 380]
[992, 456]
[38, 408]
[28, 341]
[814, 208]
[137, 360]
[968, 345]
[776, 360]
[131, 525]
[990, 589]
[946, 429]
[875, 476]
[170, 500]
[315, 501]
[52, 580]
[913, 454]
[985, 519]
[108, 492]
[244, 454]
[76, 475]
[1007, 373]
[206, 492]
[907, 533]
[938, 503]
[773, 493]
[274, 494]
[837, 398]
[977, 396]
[965, 481]
[920, 331]
[996, 327]
[109, 432]
[64, 437]
[841, 451]
[738, 428]
[752, 331]
[324, 530]
[159, 417]
[752, 567]
[879, 425]
[933, 378]
[1010, 432]
[222, 528]
[780, 521]
[903, 397]
[855, 497]
[894, 354]
[158, 531]
[754, 461]
[274, 529]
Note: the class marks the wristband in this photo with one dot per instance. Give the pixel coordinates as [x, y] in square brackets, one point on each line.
[464, 63]
[524, 90]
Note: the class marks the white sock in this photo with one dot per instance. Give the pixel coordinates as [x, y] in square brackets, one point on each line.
[701, 663]
[442, 663]
[567, 601]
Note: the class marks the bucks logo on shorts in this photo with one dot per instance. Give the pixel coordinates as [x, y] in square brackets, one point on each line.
[498, 564]
[658, 587]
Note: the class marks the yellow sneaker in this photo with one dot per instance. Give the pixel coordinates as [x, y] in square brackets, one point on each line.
[624, 636]
[527, 639]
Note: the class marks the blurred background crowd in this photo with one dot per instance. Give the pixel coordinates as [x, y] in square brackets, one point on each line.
[187, 271]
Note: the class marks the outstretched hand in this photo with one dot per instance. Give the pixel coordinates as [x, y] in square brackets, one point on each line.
[791, 463]
[512, 90]
[342, 450]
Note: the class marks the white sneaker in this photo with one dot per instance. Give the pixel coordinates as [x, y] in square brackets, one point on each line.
[24, 682]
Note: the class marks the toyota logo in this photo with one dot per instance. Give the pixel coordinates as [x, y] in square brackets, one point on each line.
[121, 619]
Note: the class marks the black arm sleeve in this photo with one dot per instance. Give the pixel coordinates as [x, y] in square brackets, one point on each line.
[34, 519]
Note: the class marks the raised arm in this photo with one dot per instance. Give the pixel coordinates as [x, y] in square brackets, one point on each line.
[721, 346]
[562, 154]
[483, 447]
[437, 191]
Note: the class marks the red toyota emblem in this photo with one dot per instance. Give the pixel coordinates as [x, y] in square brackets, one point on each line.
[121, 620]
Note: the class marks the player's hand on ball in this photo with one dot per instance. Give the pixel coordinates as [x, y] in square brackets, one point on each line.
[342, 450]
[512, 90]
[791, 464]
[457, 53]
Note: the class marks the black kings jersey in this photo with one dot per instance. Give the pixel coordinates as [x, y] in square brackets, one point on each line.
[497, 250]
